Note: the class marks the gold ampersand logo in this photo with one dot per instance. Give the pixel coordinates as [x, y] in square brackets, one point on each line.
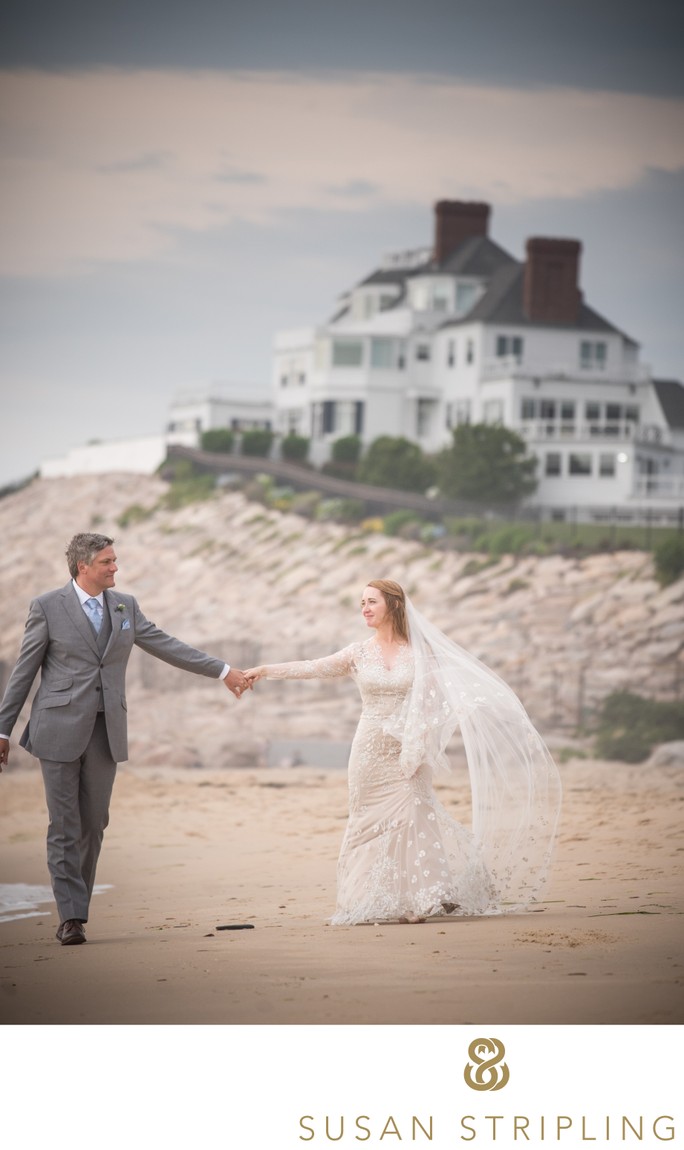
[483, 1071]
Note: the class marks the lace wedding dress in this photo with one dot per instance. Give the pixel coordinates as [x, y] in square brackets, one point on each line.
[403, 854]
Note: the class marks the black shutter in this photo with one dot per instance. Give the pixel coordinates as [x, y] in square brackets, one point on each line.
[328, 416]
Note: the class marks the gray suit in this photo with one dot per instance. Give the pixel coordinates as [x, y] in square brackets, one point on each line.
[78, 723]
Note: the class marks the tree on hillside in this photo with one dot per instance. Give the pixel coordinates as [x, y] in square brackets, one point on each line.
[397, 463]
[486, 463]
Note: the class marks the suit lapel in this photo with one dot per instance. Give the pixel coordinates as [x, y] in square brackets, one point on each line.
[77, 615]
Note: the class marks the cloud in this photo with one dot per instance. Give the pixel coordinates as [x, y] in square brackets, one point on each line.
[354, 189]
[145, 162]
[235, 176]
[111, 165]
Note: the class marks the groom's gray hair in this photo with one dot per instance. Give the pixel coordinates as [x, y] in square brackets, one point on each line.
[83, 548]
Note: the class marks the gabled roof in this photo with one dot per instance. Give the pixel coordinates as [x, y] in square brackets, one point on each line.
[670, 393]
[477, 256]
[502, 303]
[396, 275]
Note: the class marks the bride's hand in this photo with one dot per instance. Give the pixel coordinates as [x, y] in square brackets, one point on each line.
[255, 673]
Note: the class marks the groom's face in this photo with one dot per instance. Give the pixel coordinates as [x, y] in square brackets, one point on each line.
[96, 576]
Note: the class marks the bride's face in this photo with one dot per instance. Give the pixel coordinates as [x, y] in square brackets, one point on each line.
[373, 607]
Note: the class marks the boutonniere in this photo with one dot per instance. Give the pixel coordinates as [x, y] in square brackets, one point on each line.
[120, 607]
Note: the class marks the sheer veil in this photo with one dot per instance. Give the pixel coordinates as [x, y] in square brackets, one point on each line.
[514, 781]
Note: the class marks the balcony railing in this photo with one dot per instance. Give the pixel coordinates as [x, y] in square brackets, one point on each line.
[507, 366]
[657, 487]
[605, 431]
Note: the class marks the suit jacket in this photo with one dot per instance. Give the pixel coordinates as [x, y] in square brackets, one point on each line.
[78, 679]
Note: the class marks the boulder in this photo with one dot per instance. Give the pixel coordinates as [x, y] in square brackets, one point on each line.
[668, 755]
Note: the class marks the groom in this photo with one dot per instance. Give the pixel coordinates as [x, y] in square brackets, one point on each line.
[80, 638]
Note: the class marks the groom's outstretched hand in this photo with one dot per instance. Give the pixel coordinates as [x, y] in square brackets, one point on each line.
[237, 682]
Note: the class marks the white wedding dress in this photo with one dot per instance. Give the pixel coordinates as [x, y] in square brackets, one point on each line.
[403, 854]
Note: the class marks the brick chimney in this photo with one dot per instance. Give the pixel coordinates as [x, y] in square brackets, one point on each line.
[550, 287]
[456, 221]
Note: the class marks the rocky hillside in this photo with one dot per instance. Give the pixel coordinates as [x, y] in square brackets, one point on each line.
[253, 585]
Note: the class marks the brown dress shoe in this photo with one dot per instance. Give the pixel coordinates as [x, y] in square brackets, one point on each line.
[71, 932]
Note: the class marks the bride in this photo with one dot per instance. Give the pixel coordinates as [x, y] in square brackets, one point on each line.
[404, 857]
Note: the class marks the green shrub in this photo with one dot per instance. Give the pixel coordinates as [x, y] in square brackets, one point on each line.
[669, 559]
[257, 442]
[295, 447]
[219, 439]
[306, 503]
[509, 540]
[136, 513]
[176, 469]
[630, 726]
[536, 547]
[191, 490]
[259, 488]
[475, 566]
[341, 510]
[470, 527]
[397, 463]
[346, 449]
[281, 498]
[567, 754]
[487, 464]
[17, 485]
[394, 522]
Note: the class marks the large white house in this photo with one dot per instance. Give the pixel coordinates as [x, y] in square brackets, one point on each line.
[462, 332]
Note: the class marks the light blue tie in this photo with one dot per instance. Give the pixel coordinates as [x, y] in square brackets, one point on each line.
[94, 614]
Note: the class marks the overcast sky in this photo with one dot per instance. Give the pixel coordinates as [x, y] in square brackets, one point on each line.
[180, 180]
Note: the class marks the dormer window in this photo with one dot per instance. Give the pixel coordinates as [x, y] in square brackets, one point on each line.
[466, 297]
[509, 345]
[431, 295]
[593, 355]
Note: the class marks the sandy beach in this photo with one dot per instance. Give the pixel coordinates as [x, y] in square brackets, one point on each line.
[190, 851]
[206, 831]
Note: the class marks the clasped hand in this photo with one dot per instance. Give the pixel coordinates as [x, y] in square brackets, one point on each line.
[237, 682]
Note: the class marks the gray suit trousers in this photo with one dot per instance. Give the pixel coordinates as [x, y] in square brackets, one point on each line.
[78, 795]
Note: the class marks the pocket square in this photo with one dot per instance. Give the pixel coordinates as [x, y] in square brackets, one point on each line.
[125, 624]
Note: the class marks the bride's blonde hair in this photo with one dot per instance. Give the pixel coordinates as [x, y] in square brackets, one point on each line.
[394, 597]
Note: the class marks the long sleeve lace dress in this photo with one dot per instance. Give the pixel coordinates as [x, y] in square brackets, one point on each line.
[402, 854]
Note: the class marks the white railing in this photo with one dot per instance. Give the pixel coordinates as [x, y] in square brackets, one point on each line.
[656, 487]
[412, 258]
[505, 366]
[606, 431]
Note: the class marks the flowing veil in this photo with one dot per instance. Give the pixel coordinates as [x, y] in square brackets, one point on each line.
[514, 781]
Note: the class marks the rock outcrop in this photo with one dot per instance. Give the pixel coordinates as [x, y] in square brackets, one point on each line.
[253, 585]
